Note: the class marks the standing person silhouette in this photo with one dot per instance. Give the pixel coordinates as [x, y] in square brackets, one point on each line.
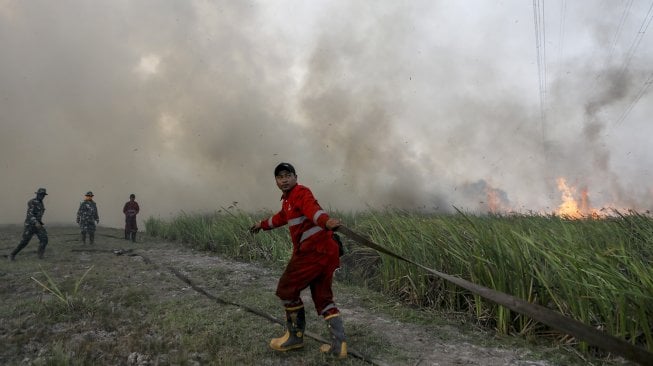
[131, 209]
[87, 217]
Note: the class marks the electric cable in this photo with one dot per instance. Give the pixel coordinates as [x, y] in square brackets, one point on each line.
[629, 55]
[540, 48]
[642, 91]
[622, 21]
[638, 39]
[561, 30]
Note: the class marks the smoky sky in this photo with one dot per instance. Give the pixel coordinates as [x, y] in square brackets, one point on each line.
[418, 105]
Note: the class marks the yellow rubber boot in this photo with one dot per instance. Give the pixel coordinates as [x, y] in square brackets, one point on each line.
[338, 346]
[293, 338]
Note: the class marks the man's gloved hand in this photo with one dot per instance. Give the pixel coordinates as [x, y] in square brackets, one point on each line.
[255, 228]
[97, 221]
[332, 223]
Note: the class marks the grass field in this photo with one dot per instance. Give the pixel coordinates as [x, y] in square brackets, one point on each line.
[595, 270]
[119, 303]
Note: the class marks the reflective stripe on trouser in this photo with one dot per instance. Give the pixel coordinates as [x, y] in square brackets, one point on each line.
[314, 269]
[293, 337]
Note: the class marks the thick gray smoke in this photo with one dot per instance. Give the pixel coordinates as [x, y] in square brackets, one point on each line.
[430, 105]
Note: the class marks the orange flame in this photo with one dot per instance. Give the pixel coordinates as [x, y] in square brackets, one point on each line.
[571, 207]
[493, 200]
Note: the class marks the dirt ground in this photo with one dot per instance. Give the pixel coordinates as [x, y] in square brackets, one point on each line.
[429, 339]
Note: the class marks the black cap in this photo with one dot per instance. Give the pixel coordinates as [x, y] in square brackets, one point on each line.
[284, 166]
[41, 191]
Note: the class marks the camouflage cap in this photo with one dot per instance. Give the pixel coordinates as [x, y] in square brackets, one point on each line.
[89, 193]
[41, 191]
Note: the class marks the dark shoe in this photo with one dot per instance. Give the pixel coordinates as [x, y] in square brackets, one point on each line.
[338, 346]
[293, 338]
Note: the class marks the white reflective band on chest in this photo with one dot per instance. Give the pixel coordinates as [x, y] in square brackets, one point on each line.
[296, 220]
[306, 234]
[270, 222]
[318, 214]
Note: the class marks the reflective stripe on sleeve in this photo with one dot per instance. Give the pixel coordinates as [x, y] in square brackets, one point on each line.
[296, 221]
[270, 223]
[306, 234]
[317, 215]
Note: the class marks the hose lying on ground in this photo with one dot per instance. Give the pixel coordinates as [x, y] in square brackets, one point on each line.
[194, 286]
[537, 312]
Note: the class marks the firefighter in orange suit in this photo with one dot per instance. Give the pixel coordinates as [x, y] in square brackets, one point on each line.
[314, 259]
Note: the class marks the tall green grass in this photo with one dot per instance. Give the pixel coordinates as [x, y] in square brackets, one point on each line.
[225, 232]
[598, 271]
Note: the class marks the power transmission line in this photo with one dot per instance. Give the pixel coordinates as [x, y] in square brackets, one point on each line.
[615, 39]
[638, 39]
[629, 55]
[642, 91]
[540, 47]
[561, 31]
[622, 21]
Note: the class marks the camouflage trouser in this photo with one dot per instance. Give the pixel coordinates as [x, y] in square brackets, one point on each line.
[28, 233]
[87, 226]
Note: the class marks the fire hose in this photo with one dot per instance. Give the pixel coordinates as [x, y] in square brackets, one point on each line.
[199, 289]
[537, 312]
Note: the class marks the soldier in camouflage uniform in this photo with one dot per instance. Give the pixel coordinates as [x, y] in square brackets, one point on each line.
[87, 217]
[34, 225]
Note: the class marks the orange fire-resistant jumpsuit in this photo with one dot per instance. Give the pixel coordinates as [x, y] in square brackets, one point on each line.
[315, 254]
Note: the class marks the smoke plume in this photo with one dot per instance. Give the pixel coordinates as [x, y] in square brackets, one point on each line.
[426, 105]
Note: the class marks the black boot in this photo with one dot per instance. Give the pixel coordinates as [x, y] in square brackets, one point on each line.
[127, 235]
[133, 235]
[338, 346]
[84, 238]
[20, 247]
[91, 237]
[293, 338]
